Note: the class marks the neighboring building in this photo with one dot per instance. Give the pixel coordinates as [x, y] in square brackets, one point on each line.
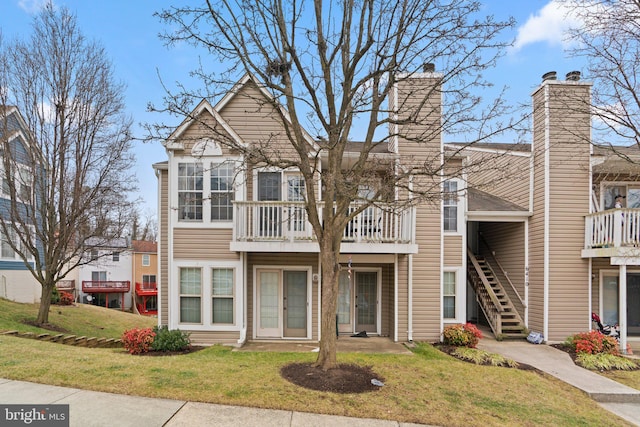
[524, 238]
[106, 279]
[145, 270]
[16, 282]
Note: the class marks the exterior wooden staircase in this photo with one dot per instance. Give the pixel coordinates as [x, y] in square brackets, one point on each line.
[503, 318]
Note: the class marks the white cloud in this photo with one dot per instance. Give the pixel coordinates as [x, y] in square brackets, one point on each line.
[33, 6]
[549, 25]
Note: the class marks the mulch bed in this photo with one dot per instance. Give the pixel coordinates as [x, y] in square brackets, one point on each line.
[191, 349]
[346, 378]
[47, 326]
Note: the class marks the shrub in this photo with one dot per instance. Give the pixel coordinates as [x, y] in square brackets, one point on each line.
[55, 296]
[66, 298]
[593, 342]
[466, 335]
[138, 341]
[170, 340]
[605, 362]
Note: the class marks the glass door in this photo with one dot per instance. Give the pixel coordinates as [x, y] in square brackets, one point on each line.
[610, 299]
[269, 216]
[268, 304]
[366, 301]
[345, 315]
[295, 304]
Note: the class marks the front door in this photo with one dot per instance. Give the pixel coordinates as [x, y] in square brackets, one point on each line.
[282, 304]
[358, 302]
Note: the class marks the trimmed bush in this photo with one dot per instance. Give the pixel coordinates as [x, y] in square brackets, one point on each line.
[137, 340]
[466, 335]
[605, 362]
[594, 342]
[66, 298]
[55, 296]
[170, 340]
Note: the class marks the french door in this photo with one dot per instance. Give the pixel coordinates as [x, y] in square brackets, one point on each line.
[358, 302]
[282, 303]
[610, 309]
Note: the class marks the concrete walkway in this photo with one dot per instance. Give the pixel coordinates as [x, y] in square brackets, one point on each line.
[615, 397]
[97, 409]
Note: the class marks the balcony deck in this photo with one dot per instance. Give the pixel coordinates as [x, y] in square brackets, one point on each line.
[146, 289]
[613, 233]
[284, 227]
[105, 286]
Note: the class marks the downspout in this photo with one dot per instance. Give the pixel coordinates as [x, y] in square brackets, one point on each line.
[410, 299]
[622, 312]
[395, 298]
[243, 331]
[159, 277]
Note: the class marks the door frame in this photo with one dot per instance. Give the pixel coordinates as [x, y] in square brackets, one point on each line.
[257, 269]
[352, 288]
[613, 273]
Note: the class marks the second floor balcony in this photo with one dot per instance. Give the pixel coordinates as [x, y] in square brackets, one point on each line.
[105, 286]
[146, 288]
[284, 227]
[612, 233]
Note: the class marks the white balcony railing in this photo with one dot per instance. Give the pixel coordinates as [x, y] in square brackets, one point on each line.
[288, 221]
[612, 228]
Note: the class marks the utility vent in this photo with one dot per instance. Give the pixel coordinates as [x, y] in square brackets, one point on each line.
[573, 76]
[429, 67]
[551, 75]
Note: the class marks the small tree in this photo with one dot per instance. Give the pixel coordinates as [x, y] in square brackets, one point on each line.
[68, 174]
[609, 38]
[333, 65]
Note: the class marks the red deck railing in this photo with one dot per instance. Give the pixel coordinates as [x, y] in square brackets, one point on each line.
[105, 286]
[150, 288]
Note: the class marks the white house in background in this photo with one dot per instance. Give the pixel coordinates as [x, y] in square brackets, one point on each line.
[106, 280]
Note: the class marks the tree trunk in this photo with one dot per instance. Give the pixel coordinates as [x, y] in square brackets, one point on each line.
[45, 303]
[328, 324]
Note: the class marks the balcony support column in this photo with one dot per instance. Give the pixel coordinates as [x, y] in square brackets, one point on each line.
[622, 308]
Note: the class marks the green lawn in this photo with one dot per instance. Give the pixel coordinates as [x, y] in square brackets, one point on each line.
[426, 387]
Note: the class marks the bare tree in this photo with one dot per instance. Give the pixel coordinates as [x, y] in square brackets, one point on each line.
[143, 226]
[333, 65]
[65, 149]
[609, 38]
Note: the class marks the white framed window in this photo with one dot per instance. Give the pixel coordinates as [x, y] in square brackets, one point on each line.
[222, 192]
[450, 205]
[98, 276]
[449, 295]
[222, 295]
[115, 256]
[146, 260]
[6, 251]
[190, 295]
[190, 189]
[148, 279]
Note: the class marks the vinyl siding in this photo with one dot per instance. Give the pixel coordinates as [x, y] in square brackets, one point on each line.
[568, 198]
[453, 245]
[207, 338]
[504, 175]
[203, 244]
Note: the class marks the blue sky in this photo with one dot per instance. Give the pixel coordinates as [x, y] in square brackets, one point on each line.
[128, 30]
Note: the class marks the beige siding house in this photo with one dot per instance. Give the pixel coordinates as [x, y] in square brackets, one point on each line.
[515, 236]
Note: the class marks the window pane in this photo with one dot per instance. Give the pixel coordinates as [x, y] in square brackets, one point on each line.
[222, 281]
[449, 283]
[222, 310]
[190, 179]
[190, 281]
[269, 186]
[146, 260]
[189, 309]
[449, 308]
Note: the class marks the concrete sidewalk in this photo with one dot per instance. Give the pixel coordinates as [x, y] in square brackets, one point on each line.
[617, 398]
[94, 409]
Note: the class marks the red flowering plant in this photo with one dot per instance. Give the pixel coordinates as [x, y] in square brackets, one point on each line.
[138, 341]
[594, 342]
[459, 335]
[66, 298]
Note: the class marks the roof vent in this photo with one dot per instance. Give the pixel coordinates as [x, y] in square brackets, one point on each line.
[551, 75]
[429, 67]
[573, 76]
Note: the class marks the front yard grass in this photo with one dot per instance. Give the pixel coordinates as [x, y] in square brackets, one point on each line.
[427, 387]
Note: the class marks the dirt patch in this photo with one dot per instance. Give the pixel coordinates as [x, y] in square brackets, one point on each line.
[346, 378]
[47, 326]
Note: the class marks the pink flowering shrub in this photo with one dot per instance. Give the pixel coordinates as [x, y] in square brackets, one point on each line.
[459, 335]
[138, 341]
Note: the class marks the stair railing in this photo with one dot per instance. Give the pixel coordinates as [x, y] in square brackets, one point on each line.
[487, 298]
[504, 273]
